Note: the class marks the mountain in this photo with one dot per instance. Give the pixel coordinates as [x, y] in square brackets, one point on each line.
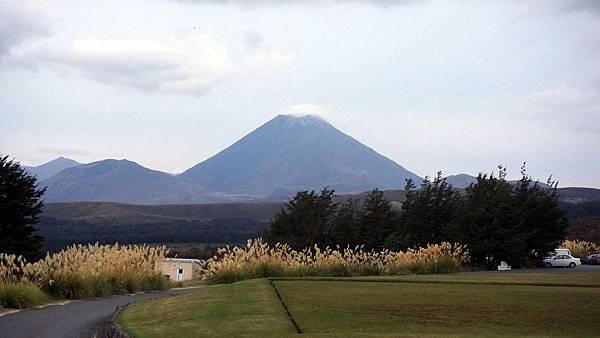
[114, 181]
[461, 181]
[51, 168]
[283, 156]
[291, 153]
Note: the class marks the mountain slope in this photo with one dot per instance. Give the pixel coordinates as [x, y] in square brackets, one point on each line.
[291, 153]
[51, 168]
[461, 181]
[114, 181]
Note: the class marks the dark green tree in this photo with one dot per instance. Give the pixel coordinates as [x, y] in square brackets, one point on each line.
[427, 213]
[305, 220]
[20, 205]
[345, 226]
[542, 220]
[377, 221]
[488, 223]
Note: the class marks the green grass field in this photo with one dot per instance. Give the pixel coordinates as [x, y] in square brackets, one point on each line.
[249, 308]
[448, 305]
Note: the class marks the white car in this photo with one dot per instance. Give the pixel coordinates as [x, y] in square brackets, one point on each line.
[562, 261]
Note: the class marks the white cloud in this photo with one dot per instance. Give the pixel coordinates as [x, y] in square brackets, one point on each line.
[253, 39]
[19, 24]
[191, 65]
[558, 98]
[64, 151]
[293, 2]
[304, 109]
[568, 108]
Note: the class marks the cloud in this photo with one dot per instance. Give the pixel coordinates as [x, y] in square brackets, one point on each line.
[19, 24]
[64, 151]
[562, 6]
[581, 5]
[253, 39]
[558, 98]
[304, 109]
[255, 3]
[568, 108]
[191, 65]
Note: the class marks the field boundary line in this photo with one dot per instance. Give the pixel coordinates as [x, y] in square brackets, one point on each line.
[367, 280]
[287, 310]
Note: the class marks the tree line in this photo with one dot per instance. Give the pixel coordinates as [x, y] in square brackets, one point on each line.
[498, 220]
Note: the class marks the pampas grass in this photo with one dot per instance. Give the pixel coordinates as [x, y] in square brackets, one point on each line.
[580, 248]
[258, 259]
[82, 271]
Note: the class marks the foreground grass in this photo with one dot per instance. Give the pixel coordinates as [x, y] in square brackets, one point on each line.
[449, 305]
[374, 308]
[248, 308]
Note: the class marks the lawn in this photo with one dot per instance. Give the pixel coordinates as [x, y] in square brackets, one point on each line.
[250, 308]
[448, 305]
[374, 308]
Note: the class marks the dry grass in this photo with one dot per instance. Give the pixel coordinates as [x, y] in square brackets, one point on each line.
[258, 259]
[87, 271]
[580, 248]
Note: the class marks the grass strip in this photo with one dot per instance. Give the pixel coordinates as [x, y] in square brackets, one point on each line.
[587, 280]
[287, 310]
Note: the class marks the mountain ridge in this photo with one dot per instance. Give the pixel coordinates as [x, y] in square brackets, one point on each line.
[51, 168]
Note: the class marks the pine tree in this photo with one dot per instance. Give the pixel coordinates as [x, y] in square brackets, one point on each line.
[20, 205]
[377, 220]
[305, 220]
[541, 218]
[488, 223]
[346, 225]
[426, 213]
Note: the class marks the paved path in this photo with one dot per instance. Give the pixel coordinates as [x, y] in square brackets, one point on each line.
[79, 318]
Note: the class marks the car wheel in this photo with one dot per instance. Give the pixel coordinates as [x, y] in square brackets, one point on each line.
[548, 265]
[572, 265]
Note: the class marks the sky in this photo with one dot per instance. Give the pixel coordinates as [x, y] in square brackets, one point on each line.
[458, 86]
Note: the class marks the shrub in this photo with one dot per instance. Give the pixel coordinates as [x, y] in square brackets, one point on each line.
[258, 260]
[21, 295]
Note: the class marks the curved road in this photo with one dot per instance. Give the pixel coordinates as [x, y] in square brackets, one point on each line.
[79, 318]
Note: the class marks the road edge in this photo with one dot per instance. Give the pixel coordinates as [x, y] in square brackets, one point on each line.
[112, 329]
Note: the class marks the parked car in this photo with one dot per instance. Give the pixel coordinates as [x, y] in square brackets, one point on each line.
[593, 259]
[562, 251]
[562, 261]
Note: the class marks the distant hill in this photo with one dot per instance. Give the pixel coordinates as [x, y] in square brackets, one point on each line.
[119, 213]
[461, 181]
[577, 195]
[51, 168]
[62, 224]
[114, 181]
[292, 153]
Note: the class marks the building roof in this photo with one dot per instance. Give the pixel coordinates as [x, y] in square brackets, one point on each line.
[183, 260]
